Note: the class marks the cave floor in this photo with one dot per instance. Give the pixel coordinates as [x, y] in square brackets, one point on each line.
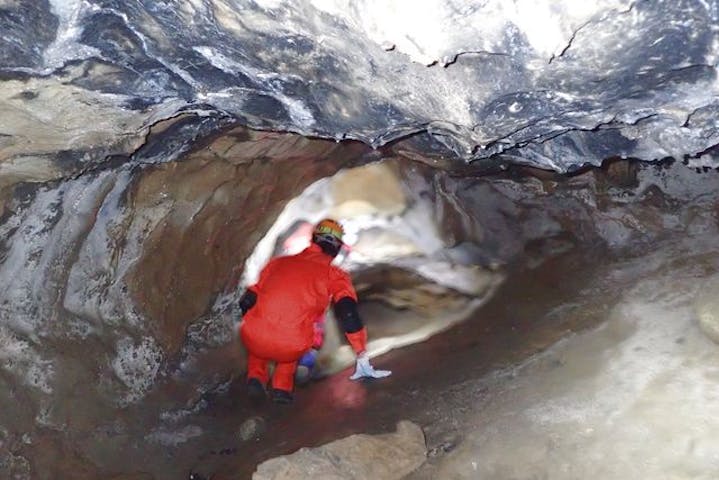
[432, 381]
[445, 384]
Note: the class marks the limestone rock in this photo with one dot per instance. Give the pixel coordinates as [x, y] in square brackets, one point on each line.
[388, 456]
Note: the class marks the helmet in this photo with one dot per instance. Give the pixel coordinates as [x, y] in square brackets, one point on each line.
[328, 235]
[329, 227]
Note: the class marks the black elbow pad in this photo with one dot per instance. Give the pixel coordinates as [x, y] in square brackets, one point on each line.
[247, 301]
[348, 316]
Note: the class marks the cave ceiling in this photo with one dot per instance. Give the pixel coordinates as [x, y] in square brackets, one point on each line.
[554, 84]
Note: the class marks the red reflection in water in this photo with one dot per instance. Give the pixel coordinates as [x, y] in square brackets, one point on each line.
[347, 394]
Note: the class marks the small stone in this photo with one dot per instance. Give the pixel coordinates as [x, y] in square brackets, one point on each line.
[441, 449]
[252, 428]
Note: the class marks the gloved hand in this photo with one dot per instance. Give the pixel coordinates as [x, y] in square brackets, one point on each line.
[363, 369]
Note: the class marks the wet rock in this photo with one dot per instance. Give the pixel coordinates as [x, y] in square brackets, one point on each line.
[124, 262]
[252, 428]
[706, 307]
[388, 456]
[198, 219]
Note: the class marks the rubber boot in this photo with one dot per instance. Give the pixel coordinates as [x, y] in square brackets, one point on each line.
[282, 396]
[256, 391]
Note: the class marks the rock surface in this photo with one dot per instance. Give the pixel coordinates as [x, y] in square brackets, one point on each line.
[252, 428]
[388, 456]
[641, 385]
[556, 84]
[130, 197]
[114, 280]
[706, 307]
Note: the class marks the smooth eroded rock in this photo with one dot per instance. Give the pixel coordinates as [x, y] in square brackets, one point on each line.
[373, 189]
[388, 456]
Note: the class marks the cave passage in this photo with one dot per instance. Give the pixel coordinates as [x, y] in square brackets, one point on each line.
[530, 195]
[510, 301]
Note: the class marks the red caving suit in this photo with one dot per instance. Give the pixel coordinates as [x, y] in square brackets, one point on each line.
[291, 293]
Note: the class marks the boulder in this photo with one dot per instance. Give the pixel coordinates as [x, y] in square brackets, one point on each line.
[387, 456]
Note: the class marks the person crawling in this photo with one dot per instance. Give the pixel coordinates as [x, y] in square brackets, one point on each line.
[279, 314]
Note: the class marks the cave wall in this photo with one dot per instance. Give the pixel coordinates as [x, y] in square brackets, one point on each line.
[215, 207]
[111, 278]
[131, 260]
[528, 214]
[132, 256]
